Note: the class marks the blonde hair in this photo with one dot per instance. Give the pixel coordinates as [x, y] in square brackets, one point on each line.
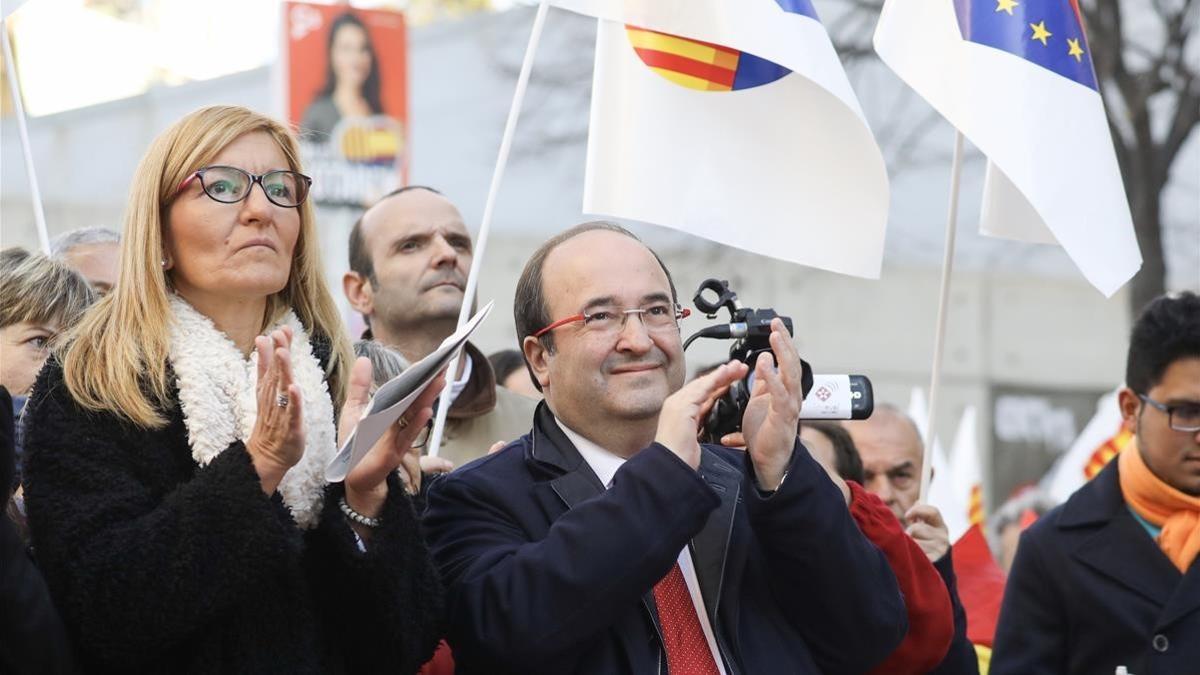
[115, 360]
[40, 290]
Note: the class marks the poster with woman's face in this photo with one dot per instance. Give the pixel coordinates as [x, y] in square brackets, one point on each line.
[346, 76]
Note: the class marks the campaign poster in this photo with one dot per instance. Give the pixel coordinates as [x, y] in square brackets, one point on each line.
[346, 91]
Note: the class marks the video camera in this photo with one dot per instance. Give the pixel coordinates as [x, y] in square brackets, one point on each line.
[828, 397]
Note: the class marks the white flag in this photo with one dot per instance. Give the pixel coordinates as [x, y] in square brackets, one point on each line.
[942, 490]
[1098, 443]
[966, 470]
[734, 121]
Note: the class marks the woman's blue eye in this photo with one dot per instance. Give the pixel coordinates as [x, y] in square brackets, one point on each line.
[221, 187]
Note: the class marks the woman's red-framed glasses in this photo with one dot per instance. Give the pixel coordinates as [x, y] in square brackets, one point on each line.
[230, 185]
[660, 316]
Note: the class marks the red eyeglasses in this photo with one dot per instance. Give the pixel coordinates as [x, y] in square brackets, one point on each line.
[657, 317]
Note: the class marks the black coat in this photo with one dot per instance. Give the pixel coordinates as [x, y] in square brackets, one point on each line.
[32, 636]
[1090, 590]
[159, 565]
[548, 572]
[961, 658]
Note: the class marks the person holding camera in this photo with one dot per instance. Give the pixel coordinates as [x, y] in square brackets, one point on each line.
[608, 540]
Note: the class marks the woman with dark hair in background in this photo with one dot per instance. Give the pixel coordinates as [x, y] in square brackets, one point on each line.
[352, 86]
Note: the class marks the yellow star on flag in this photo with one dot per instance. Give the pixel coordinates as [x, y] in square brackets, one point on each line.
[1040, 32]
[1074, 49]
[1006, 6]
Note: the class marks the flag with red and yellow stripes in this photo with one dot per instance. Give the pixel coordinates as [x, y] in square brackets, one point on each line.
[1107, 451]
[734, 121]
[701, 65]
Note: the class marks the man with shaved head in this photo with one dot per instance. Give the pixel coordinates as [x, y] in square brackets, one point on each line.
[409, 258]
[892, 454]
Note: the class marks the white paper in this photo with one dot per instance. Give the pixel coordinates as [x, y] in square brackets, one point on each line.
[395, 396]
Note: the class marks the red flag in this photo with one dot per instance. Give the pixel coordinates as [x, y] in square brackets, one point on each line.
[980, 585]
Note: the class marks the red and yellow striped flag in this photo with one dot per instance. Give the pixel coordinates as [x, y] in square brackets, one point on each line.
[975, 505]
[691, 63]
[1107, 450]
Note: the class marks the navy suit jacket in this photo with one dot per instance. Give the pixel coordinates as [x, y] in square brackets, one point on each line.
[547, 572]
[1090, 590]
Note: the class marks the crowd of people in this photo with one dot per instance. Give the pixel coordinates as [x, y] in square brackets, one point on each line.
[178, 389]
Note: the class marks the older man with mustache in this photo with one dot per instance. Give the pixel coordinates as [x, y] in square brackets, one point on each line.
[409, 258]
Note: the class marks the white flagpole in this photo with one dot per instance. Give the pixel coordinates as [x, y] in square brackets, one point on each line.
[14, 86]
[510, 128]
[940, 335]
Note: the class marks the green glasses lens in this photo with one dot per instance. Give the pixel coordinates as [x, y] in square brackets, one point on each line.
[225, 184]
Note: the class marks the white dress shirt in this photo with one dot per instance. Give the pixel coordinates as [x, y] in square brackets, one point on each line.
[605, 465]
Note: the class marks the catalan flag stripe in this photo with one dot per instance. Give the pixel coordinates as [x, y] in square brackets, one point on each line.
[696, 50]
[685, 66]
[689, 81]
[975, 506]
[1105, 453]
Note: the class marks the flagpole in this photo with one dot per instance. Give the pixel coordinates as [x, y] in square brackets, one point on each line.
[939, 339]
[35, 195]
[464, 313]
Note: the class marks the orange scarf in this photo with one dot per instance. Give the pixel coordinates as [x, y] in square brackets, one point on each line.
[1163, 506]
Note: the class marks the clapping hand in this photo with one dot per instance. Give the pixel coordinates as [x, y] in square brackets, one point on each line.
[773, 412]
[684, 411]
[276, 443]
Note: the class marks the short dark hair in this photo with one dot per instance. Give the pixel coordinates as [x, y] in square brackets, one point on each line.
[505, 362]
[529, 306]
[360, 257]
[1168, 329]
[846, 459]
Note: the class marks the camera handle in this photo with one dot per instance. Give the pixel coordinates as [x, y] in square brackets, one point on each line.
[725, 298]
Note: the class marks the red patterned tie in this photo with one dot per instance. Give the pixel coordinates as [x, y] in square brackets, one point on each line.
[683, 638]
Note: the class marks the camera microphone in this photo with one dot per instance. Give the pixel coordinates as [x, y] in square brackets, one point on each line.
[838, 397]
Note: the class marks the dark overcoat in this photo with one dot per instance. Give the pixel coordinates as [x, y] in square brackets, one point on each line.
[548, 572]
[1090, 590]
[161, 566]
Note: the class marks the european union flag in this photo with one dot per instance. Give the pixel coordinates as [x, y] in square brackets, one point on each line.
[1046, 32]
[804, 7]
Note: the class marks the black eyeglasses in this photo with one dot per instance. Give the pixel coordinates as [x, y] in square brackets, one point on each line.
[230, 185]
[1181, 417]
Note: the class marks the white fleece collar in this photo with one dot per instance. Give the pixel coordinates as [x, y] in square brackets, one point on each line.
[217, 396]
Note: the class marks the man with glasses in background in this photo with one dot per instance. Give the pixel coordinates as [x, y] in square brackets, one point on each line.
[1110, 578]
[608, 540]
[409, 258]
